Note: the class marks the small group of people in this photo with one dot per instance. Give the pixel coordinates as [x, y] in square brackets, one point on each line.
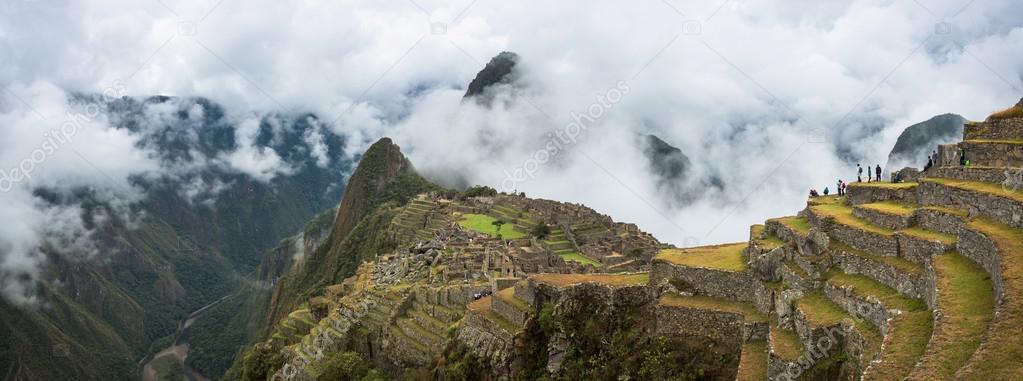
[841, 187]
[931, 159]
[859, 173]
[480, 295]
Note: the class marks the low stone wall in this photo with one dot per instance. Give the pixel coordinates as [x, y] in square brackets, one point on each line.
[908, 174]
[993, 154]
[885, 220]
[825, 340]
[938, 221]
[1004, 129]
[871, 310]
[509, 312]
[526, 291]
[973, 173]
[451, 296]
[870, 242]
[1002, 209]
[865, 194]
[724, 327]
[914, 286]
[984, 251]
[919, 250]
[714, 283]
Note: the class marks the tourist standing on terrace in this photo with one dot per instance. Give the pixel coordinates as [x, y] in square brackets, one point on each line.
[859, 173]
[878, 172]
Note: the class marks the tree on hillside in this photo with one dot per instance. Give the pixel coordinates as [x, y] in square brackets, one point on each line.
[541, 230]
[498, 224]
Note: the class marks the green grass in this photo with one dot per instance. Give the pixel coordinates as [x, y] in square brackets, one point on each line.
[797, 224]
[1009, 113]
[726, 257]
[888, 207]
[929, 235]
[485, 224]
[792, 265]
[576, 257]
[749, 313]
[820, 311]
[966, 300]
[508, 296]
[980, 187]
[865, 287]
[753, 363]
[842, 214]
[769, 243]
[1001, 357]
[884, 185]
[785, 343]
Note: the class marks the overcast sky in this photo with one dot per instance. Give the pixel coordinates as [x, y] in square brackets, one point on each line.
[771, 97]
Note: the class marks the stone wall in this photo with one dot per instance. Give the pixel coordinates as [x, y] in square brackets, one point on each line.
[724, 327]
[862, 193]
[915, 286]
[984, 251]
[1004, 129]
[981, 174]
[993, 154]
[939, 221]
[919, 250]
[1002, 209]
[875, 243]
[488, 341]
[871, 310]
[714, 283]
[509, 312]
[885, 220]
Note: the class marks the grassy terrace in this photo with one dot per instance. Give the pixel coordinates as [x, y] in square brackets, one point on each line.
[562, 280]
[1001, 357]
[908, 333]
[966, 300]
[1011, 112]
[785, 343]
[483, 306]
[798, 224]
[883, 185]
[753, 363]
[821, 312]
[769, 243]
[726, 257]
[888, 207]
[929, 235]
[508, 296]
[485, 224]
[749, 313]
[979, 187]
[795, 268]
[954, 212]
[842, 214]
[575, 256]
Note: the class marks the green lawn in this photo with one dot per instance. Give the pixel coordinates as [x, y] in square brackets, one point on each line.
[720, 257]
[574, 256]
[485, 224]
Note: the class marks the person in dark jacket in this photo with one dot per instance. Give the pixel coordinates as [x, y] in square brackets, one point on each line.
[878, 172]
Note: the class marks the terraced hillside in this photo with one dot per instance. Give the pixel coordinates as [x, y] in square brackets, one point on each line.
[918, 280]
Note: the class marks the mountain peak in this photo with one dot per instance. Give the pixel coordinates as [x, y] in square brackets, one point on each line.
[498, 70]
[381, 163]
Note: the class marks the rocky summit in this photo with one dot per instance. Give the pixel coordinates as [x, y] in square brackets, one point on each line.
[914, 280]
